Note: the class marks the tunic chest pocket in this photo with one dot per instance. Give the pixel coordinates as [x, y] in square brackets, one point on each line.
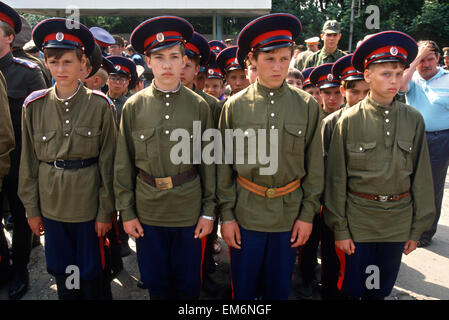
[86, 142]
[362, 156]
[45, 145]
[145, 144]
[294, 139]
[405, 154]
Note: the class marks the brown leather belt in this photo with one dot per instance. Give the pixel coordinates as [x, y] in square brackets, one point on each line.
[169, 182]
[379, 197]
[268, 192]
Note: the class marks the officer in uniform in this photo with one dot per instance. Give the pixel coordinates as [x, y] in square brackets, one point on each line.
[309, 87]
[330, 53]
[378, 193]
[216, 46]
[166, 204]
[124, 72]
[6, 146]
[312, 46]
[22, 77]
[446, 58]
[103, 38]
[267, 215]
[20, 40]
[69, 137]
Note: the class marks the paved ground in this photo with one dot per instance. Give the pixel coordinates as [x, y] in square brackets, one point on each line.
[423, 275]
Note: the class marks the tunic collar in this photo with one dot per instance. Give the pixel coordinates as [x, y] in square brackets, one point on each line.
[72, 96]
[268, 92]
[159, 92]
[376, 107]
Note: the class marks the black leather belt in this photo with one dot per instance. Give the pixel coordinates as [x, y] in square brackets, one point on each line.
[73, 164]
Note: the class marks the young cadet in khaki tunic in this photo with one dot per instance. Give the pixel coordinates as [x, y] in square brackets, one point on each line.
[6, 132]
[65, 182]
[379, 195]
[168, 207]
[266, 216]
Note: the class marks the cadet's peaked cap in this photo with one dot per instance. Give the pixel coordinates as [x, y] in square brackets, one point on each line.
[216, 46]
[124, 66]
[343, 69]
[97, 61]
[213, 71]
[322, 77]
[102, 37]
[160, 33]
[269, 32]
[11, 17]
[241, 58]
[312, 40]
[198, 47]
[227, 60]
[60, 33]
[386, 46]
[306, 74]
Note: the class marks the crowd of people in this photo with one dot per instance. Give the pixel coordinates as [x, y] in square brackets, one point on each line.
[86, 150]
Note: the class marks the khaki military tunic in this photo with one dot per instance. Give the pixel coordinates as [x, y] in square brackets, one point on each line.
[327, 128]
[148, 119]
[213, 103]
[301, 59]
[7, 142]
[295, 114]
[118, 105]
[321, 57]
[80, 127]
[379, 150]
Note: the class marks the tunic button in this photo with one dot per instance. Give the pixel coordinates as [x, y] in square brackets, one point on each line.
[66, 103]
[67, 110]
[388, 133]
[167, 95]
[361, 149]
[387, 112]
[387, 120]
[89, 133]
[66, 134]
[167, 104]
[272, 114]
[167, 116]
[142, 136]
[44, 138]
[167, 132]
[410, 148]
[272, 127]
[271, 94]
[300, 131]
[246, 133]
[67, 121]
[272, 101]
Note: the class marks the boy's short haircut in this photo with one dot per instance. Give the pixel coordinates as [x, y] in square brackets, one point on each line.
[180, 45]
[394, 64]
[195, 59]
[57, 53]
[256, 53]
[103, 76]
[295, 73]
[119, 40]
[349, 84]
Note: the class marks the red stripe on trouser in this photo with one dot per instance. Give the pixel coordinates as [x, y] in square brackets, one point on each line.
[115, 224]
[101, 242]
[230, 273]
[203, 252]
[342, 259]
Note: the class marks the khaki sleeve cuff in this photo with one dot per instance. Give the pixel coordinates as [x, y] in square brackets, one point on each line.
[415, 236]
[33, 212]
[104, 217]
[128, 214]
[306, 217]
[342, 235]
[227, 215]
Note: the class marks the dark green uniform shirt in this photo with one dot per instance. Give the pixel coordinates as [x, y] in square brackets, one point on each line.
[7, 142]
[379, 150]
[301, 59]
[118, 104]
[148, 119]
[327, 128]
[80, 127]
[321, 57]
[213, 103]
[295, 114]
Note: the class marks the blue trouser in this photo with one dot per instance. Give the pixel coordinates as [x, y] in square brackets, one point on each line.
[438, 143]
[72, 244]
[169, 260]
[358, 278]
[263, 266]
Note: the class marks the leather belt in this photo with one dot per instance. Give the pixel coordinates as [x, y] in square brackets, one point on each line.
[379, 197]
[268, 192]
[169, 182]
[73, 164]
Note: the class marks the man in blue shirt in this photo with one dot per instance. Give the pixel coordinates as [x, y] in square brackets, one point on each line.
[426, 87]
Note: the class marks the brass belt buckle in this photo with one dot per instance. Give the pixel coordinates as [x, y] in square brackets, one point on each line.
[56, 166]
[383, 198]
[270, 193]
[164, 183]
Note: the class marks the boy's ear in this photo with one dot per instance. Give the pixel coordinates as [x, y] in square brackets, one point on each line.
[197, 69]
[342, 91]
[251, 58]
[184, 61]
[148, 61]
[367, 74]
